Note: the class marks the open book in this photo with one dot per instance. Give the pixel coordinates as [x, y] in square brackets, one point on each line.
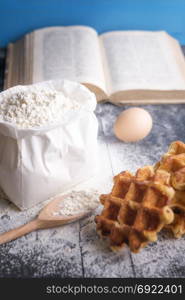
[120, 66]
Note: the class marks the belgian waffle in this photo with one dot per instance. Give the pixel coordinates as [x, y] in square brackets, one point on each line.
[173, 162]
[178, 206]
[136, 209]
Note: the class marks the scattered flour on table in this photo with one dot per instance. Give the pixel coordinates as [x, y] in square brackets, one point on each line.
[28, 109]
[78, 202]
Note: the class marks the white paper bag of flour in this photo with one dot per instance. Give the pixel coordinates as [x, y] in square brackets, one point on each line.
[38, 163]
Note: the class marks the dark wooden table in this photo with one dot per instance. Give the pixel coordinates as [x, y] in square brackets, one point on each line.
[75, 250]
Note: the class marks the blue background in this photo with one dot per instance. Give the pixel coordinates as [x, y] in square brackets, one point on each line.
[18, 17]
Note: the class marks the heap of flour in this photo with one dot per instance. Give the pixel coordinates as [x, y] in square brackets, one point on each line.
[78, 202]
[35, 108]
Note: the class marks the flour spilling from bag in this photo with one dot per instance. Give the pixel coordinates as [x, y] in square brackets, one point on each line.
[48, 140]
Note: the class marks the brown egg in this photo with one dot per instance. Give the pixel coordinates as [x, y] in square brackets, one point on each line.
[133, 124]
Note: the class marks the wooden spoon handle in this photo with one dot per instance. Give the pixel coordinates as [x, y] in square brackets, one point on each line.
[18, 232]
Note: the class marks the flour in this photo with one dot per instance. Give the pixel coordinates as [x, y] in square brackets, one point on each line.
[78, 202]
[28, 109]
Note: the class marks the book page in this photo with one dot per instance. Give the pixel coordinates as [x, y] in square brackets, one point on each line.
[15, 64]
[71, 52]
[141, 60]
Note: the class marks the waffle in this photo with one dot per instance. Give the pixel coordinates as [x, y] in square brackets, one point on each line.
[177, 227]
[173, 162]
[136, 209]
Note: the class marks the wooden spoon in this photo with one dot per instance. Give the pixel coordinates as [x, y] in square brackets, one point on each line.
[46, 219]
